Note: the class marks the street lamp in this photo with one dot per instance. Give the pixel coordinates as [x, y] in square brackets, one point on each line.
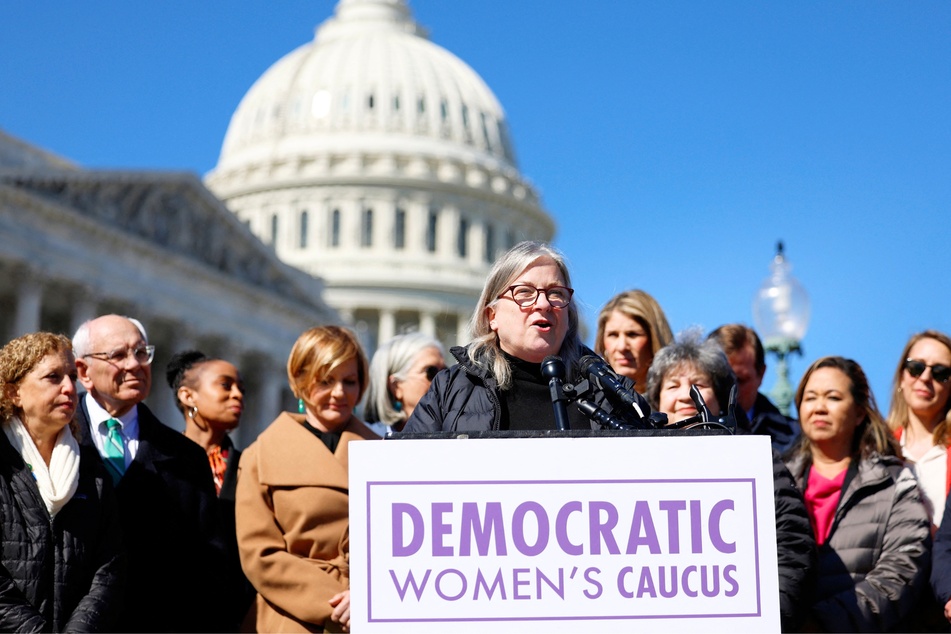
[781, 316]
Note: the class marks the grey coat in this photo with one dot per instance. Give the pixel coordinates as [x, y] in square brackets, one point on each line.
[874, 566]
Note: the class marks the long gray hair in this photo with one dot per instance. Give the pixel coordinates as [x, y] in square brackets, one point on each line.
[484, 351]
[394, 358]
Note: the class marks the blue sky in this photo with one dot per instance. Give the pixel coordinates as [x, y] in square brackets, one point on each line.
[673, 142]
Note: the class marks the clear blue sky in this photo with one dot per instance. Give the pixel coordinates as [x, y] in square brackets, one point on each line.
[674, 142]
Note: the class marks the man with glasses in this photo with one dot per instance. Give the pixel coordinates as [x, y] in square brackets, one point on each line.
[163, 485]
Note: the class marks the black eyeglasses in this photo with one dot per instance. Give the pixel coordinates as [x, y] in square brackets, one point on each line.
[939, 372]
[525, 295]
[142, 354]
[431, 372]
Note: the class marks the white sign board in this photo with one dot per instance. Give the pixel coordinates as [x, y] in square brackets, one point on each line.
[663, 534]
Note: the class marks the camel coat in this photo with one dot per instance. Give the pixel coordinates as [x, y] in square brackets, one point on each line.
[292, 522]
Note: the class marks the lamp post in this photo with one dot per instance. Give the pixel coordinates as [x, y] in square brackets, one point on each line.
[781, 316]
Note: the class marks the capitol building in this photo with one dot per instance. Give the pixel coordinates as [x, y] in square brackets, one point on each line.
[380, 162]
[367, 178]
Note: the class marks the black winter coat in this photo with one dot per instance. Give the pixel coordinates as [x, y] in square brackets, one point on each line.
[465, 398]
[67, 574]
[170, 518]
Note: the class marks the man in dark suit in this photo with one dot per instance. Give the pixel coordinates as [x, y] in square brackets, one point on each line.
[744, 351]
[164, 486]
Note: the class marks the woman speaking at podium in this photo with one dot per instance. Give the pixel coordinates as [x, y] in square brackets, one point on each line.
[525, 314]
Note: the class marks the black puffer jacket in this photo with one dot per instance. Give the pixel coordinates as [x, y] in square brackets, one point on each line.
[65, 574]
[795, 549]
[465, 398]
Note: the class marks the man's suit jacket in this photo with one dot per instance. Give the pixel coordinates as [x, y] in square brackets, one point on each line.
[168, 511]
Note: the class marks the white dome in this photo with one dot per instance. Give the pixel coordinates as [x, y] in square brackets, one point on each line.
[380, 162]
[367, 81]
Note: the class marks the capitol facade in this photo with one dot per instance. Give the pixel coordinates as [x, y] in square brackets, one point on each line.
[380, 162]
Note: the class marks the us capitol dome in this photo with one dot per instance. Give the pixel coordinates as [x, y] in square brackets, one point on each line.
[381, 163]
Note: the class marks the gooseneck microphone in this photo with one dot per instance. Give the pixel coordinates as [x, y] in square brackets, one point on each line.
[599, 372]
[553, 368]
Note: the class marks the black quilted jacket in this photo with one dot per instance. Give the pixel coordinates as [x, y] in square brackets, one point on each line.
[64, 574]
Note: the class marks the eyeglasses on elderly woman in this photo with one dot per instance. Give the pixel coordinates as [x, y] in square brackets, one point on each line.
[525, 295]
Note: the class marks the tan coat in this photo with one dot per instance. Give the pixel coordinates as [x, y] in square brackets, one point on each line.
[292, 518]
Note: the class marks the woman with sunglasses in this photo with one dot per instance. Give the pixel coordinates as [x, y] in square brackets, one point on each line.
[920, 414]
[525, 314]
[401, 372]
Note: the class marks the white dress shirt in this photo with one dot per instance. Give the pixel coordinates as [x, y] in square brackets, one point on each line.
[129, 428]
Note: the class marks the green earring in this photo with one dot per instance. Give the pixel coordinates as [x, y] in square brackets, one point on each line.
[300, 406]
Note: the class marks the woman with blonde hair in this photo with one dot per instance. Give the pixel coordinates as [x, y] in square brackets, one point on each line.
[920, 414]
[292, 509]
[632, 328]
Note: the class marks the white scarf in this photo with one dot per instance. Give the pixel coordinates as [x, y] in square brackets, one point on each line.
[59, 481]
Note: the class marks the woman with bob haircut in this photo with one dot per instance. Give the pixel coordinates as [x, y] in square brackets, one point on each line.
[401, 371]
[62, 564]
[632, 328]
[865, 507]
[920, 414]
[293, 490]
[690, 360]
[525, 314]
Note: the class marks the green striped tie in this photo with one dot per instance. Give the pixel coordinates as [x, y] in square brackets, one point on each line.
[115, 450]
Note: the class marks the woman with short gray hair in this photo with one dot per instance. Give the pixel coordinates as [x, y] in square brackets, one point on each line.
[690, 360]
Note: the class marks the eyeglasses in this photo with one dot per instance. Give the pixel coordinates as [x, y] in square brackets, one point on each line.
[525, 295]
[431, 372]
[142, 354]
[940, 373]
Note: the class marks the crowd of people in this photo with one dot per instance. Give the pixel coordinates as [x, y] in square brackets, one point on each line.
[112, 521]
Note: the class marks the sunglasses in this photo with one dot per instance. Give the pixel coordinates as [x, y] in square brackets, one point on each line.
[940, 373]
[431, 372]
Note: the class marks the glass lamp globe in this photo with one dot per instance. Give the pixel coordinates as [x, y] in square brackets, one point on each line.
[781, 306]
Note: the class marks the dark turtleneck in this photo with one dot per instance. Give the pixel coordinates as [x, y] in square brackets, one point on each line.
[527, 404]
[330, 438]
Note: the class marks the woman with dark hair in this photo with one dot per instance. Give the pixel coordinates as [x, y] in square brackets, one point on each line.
[525, 314]
[920, 414]
[61, 564]
[209, 393]
[864, 505]
[293, 490]
[632, 328]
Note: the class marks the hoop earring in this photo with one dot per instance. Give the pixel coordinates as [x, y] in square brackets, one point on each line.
[300, 406]
[193, 412]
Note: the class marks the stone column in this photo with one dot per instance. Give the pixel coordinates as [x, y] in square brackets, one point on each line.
[427, 323]
[26, 318]
[387, 326]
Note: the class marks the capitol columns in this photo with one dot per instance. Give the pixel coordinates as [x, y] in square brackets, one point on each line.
[427, 323]
[26, 317]
[387, 326]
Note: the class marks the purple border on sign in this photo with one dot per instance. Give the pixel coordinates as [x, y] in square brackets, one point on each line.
[751, 481]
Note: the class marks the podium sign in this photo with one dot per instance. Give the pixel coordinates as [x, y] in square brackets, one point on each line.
[551, 534]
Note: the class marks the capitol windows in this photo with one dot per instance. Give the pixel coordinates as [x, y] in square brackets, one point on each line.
[396, 103]
[399, 229]
[366, 228]
[274, 228]
[444, 110]
[431, 231]
[421, 105]
[335, 228]
[462, 238]
[370, 101]
[303, 229]
[489, 243]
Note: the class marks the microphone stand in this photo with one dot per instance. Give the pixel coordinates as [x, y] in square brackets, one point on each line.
[553, 368]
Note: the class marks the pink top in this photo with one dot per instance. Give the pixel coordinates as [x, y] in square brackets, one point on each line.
[822, 498]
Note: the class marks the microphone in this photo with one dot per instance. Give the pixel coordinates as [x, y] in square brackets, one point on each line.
[553, 368]
[600, 373]
[595, 413]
